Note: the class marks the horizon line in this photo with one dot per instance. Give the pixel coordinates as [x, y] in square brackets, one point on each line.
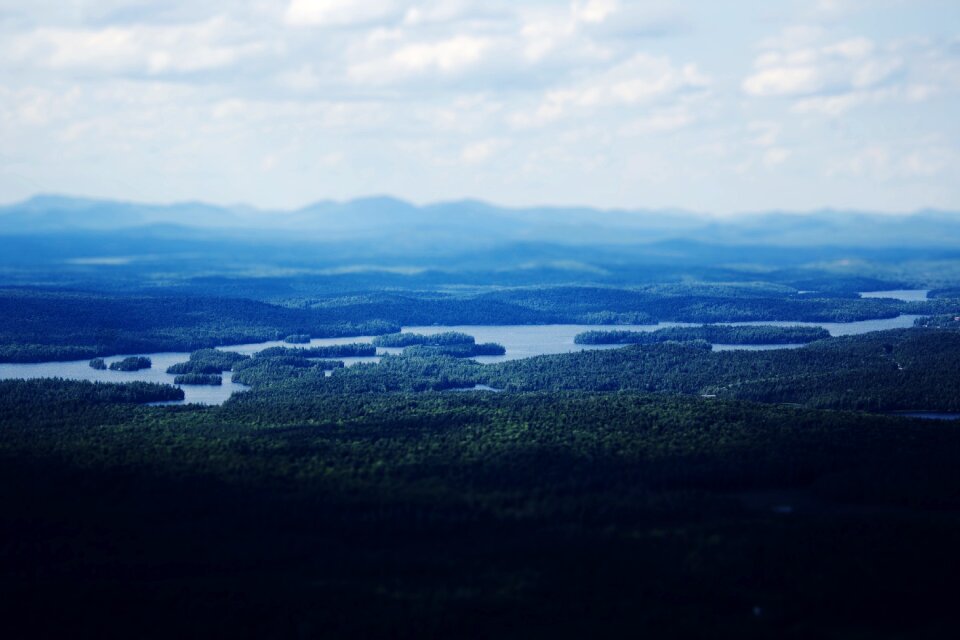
[667, 209]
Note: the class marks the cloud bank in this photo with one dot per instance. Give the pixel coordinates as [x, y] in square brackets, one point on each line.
[601, 102]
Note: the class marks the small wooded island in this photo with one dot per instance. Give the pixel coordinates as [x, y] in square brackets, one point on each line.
[716, 334]
[134, 363]
[449, 343]
[208, 361]
[199, 379]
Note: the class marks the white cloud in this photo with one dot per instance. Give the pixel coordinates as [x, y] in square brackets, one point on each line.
[250, 99]
[479, 152]
[642, 79]
[155, 50]
[594, 11]
[832, 77]
[783, 81]
[444, 57]
[546, 33]
[798, 65]
[660, 121]
[326, 13]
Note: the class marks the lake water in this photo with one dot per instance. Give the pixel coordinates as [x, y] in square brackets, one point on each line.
[842, 328]
[520, 341]
[927, 415]
[80, 370]
[906, 295]
[524, 341]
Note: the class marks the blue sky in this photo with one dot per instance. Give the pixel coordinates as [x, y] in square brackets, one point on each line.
[711, 106]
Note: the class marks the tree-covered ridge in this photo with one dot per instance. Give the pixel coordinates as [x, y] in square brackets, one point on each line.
[208, 361]
[279, 365]
[951, 321]
[444, 339]
[648, 304]
[910, 369]
[67, 325]
[457, 350]
[19, 397]
[133, 363]
[42, 325]
[353, 350]
[199, 379]
[716, 334]
[449, 343]
[882, 371]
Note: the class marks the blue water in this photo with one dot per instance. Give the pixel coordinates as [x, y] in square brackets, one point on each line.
[906, 295]
[927, 415]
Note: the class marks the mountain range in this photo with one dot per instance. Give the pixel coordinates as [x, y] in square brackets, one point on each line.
[471, 223]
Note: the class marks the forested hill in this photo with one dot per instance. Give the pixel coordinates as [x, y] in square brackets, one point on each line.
[70, 325]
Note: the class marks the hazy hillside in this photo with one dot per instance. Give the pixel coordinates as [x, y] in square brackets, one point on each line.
[472, 223]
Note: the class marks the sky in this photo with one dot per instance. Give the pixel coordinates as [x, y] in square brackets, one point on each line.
[711, 106]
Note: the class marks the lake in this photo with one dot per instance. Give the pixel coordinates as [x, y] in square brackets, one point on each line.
[520, 341]
[525, 341]
[906, 295]
[927, 415]
[80, 370]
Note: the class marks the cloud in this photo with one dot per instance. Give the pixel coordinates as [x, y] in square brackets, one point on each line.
[444, 57]
[152, 50]
[796, 66]
[641, 80]
[661, 121]
[546, 32]
[784, 81]
[327, 13]
[830, 78]
[257, 100]
[765, 134]
[480, 152]
[895, 161]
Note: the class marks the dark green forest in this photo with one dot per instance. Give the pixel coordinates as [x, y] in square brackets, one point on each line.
[712, 334]
[655, 489]
[438, 514]
[38, 325]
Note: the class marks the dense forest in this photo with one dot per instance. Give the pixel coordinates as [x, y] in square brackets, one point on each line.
[460, 515]
[881, 371]
[444, 339]
[210, 379]
[660, 487]
[43, 325]
[713, 334]
[208, 361]
[133, 363]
